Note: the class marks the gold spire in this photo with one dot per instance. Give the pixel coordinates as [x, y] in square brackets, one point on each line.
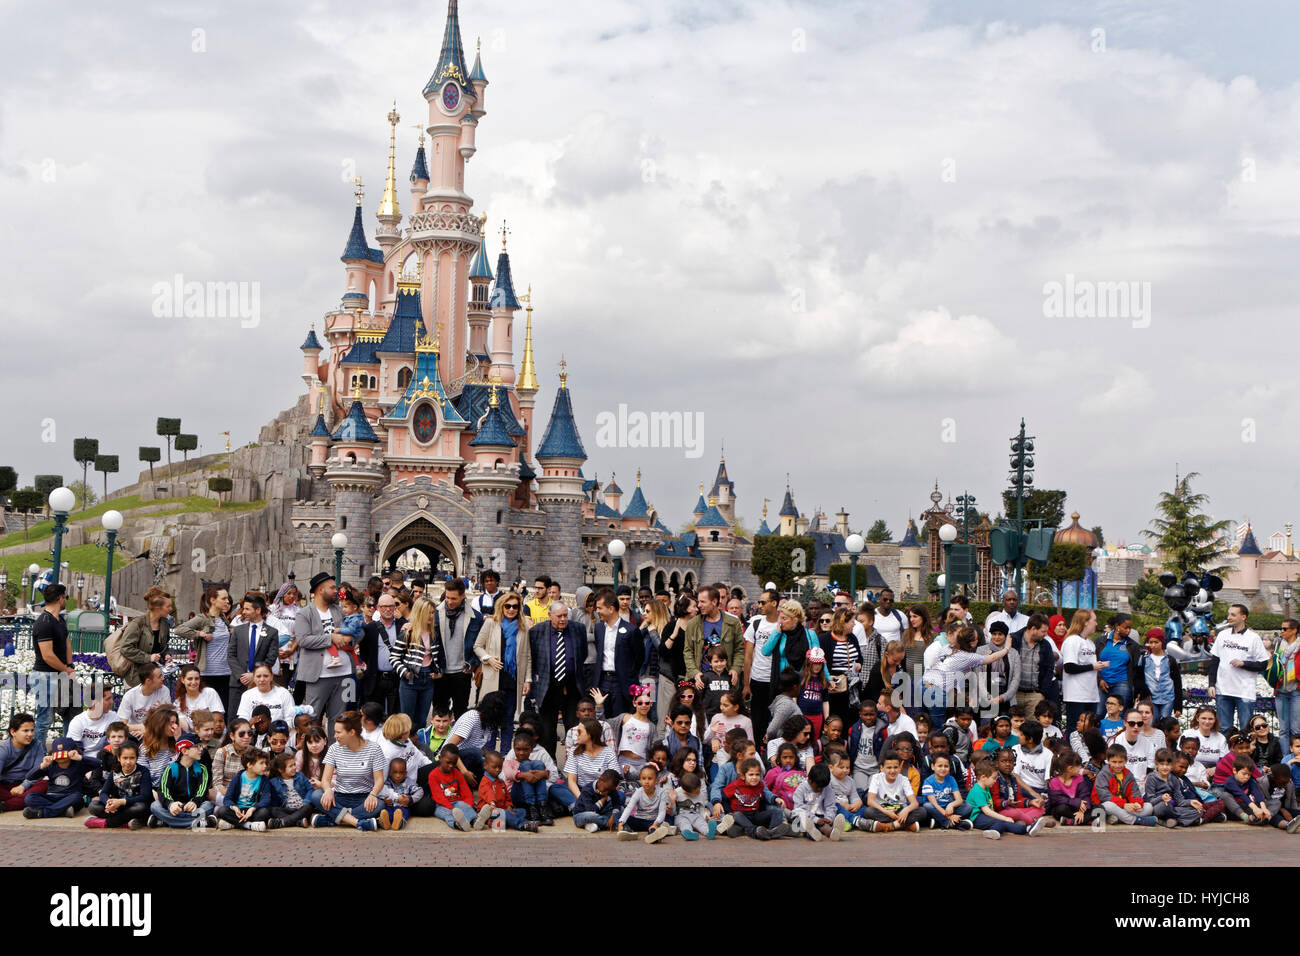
[505, 233]
[712, 500]
[358, 190]
[638, 477]
[493, 401]
[527, 371]
[564, 373]
[320, 404]
[388, 205]
[356, 388]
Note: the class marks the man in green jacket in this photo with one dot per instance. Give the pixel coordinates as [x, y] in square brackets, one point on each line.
[709, 627]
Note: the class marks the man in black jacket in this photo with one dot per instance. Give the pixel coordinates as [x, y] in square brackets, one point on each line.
[379, 684]
[1037, 665]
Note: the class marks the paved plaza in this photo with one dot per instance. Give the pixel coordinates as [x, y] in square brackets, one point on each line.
[68, 843]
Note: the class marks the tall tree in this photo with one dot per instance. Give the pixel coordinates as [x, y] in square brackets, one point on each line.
[187, 444]
[1065, 563]
[879, 532]
[84, 451]
[108, 465]
[8, 482]
[1040, 503]
[152, 454]
[169, 428]
[1184, 534]
[44, 484]
[1101, 538]
[25, 502]
[85, 494]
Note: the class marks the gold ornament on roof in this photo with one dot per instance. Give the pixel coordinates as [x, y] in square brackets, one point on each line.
[388, 204]
[428, 343]
[493, 401]
[564, 373]
[358, 190]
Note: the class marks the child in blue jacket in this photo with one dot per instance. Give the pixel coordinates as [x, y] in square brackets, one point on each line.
[66, 768]
[290, 794]
[248, 797]
[599, 803]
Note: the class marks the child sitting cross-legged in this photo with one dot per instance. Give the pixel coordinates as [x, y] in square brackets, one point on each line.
[691, 808]
[891, 801]
[126, 794]
[982, 813]
[248, 796]
[290, 794]
[646, 808]
[1115, 794]
[814, 812]
[1069, 793]
[599, 803]
[400, 793]
[1210, 807]
[494, 804]
[1168, 800]
[942, 794]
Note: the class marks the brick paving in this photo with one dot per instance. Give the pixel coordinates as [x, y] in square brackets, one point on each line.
[68, 843]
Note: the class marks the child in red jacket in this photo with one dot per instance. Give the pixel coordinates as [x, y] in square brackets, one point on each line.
[494, 804]
[1115, 793]
[450, 791]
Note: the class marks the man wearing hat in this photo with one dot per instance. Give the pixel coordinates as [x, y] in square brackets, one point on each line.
[316, 628]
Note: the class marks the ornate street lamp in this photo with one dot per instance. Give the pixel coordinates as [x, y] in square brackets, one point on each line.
[340, 543]
[854, 544]
[62, 501]
[616, 551]
[112, 523]
[947, 534]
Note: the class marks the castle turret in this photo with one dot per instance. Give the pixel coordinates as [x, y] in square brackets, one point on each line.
[715, 541]
[559, 493]
[491, 480]
[356, 257]
[311, 350]
[789, 514]
[613, 493]
[355, 473]
[503, 306]
[1248, 558]
[319, 439]
[701, 505]
[478, 79]
[419, 175]
[842, 522]
[637, 513]
[389, 232]
[723, 492]
[480, 277]
[910, 582]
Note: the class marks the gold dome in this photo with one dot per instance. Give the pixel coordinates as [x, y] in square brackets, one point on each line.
[1076, 534]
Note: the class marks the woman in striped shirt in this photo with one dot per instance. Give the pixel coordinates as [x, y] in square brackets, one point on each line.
[161, 728]
[417, 661]
[474, 730]
[843, 664]
[590, 757]
[352, 778]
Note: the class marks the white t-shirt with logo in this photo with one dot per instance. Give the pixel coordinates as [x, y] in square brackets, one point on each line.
[1246, 646]
[1035, 768]
[1079, 688]
[91, 732]
[888, 794]
[760, 668]
[1141, 754]
[135, 705]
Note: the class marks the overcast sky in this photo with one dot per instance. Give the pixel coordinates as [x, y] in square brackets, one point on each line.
[826, 227]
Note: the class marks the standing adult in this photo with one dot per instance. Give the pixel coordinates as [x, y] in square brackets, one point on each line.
[890, 621]
[352, 777]
[789, 642]
[1236, 659]
[711, 627]
[144, 640]
[52, 674]
[1287, 695]
[503, 648]
[1010, 614]
[252, 642]
[559, 656]
[620, 651]
[209, 639]
[672, 659]
[916, 638]
[457, 626]
[1080, 667]
[284, 617]
[418, 660]
[1120, 654]
[1159, 678]
[758, 666]
[380, 682]
[535, 608]
[1000, 679]
[942, 679]
[486, 603]
[1037, 664]
[314, 631]
[843, 665]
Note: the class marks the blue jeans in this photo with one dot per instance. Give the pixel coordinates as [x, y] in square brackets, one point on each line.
[353, 803]
[583, 817]
[47, 688]
[1120, 688]
[415, 697]
[523, 793]
[1161, 711]
[986, 822]
[472, 758]
[562, 795]
[1288, 716]
[444, 814]
[1228, 707]
[183, 819]
[941, 820]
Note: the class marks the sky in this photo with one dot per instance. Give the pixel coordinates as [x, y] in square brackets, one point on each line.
[856, 241]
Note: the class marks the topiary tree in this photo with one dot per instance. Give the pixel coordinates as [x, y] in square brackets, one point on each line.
[84, 451]
[169, 428]
[1066, 562]
[44, 484]
[8, 482]
[150, 454]
[780, 559]
[108, 465]
[25, 502]
[879, 532]
[220, 485]
[187, 444]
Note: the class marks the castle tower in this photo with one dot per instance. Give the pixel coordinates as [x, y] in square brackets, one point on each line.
[715, 541]
[636, 516]
[613, 493]
[490, 480]
[419, 175]
[910, 582]
[480, 277]
[311, 360]
[842, 522]
[788, 514]
[503, 306]
[319, 438]
[1248, 558]
[763, 528]
[389, 232]
[723, 493]
[356, 257]
[355, 474]
[701, 506]
[561, 456]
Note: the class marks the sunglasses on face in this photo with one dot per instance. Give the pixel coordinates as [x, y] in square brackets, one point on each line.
[1133, 723]
[512, 607]
[242, 733]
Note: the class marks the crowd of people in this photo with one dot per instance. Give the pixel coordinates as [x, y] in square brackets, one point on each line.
[651, 716]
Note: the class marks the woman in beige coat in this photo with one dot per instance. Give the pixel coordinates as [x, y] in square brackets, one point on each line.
[501, 631]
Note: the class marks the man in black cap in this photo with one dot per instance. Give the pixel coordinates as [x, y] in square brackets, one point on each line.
[329, 693]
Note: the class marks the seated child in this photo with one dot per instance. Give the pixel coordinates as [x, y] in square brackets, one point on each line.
[400, 792]
[290, 794]
[248, 797]
[599, 803]
[891, 801]
[183, 789]
[942, 794]
[1046, 713]
[1113, 720]
[751, 806]
[1033, 765]
[1115, 793]
[1168, 800]
[1010, 798]
[848, 802]
[1084, 722]
[1069, 791]
[1000, 736]
[65, 768]
[982, 813]
[108, 763]
[1238, 745]
[494, 805]
[646, 808]
[1280, 797]
[1211, 808]
[1247, 794]
[813, 811]
[785, 776]
[127, 792]
[450, 790]
[435, 735]
[529, 777]
[691, 808]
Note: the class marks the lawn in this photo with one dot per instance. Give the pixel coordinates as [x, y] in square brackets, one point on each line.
[42, 530]
[87, 558]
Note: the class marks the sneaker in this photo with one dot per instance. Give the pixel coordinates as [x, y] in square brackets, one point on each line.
[305, 822]
[837, 827]
[70, 812]
[590, 827]
[1036, 827]
[1171, 823]
[726, 823]
[484, 815]
[1221, 818]
[275, 823]
[99, 823]
[333, 661]
[212, 822]
[1112, 820]
[626, 836]
[225, 825]
[31, 813]
[965, 825]
[713, 829]
[200, 823]
[762, 833]
[782, 830]
[544, 816]
[914, 827]
[993, 834]
[367, 825]
[462, 822]
[321, 820]
[528, 826]
[862, 823]
[690, 835]
[880, 826]
[1294, 825]
[259, 826]
[1146, 821]
[154, 823]
[385, 821]
[194, 824]
[814, 833]
[662, 832]
[932, 823]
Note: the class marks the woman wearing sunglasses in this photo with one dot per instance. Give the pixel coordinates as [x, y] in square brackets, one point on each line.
[1266, 749]
[502, 646]
[227, 762]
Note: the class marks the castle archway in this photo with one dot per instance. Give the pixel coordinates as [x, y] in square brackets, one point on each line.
[425, 534]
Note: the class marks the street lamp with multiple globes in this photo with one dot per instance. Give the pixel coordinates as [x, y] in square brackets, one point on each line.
[616, 551]
[340, 543]
[947, 534]
[62, 501]
[854, 544]
[112, 523]
[33, 575]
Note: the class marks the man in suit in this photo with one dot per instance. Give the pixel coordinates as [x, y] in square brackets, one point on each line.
[559, 649]
[379, 685]
[456, 625]
[253, 642]
[620, 652]
[329, 692]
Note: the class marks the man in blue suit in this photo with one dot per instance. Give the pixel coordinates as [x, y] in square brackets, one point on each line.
[558, 682]
[620, 652]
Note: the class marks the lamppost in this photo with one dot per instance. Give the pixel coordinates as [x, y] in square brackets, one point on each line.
[62, 501]
[112, 523]
[1022, 481]
[947, 534]
[4, 584]
[81, 586]
[340, 543]
[941, 581]
[32, 576]
[1286, 598]
[616, 550]
[854, 544]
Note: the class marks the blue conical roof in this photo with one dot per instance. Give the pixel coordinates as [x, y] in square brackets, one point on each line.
[420, 168]
[637, 507]
[503, 294]
[311, 343]
[763, 529]
[355, 427]
[612, 488]
[722, 481]
[407, 326]
[788, 510]
[1248, 543]
[701, 506]
[451, 61]
[357, 247]
[493, 430]
[320, 431]
[476, 72]
[909, 539]
[712, 519]
[526, 472]
[561, 438]
[479, 268]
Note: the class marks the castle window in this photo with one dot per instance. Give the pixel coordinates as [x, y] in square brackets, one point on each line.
[373, 383]
[403, 377]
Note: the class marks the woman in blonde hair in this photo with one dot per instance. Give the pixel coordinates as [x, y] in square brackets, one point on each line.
[653, 623]
[418, 659]
[502, 646]
[791, 639]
